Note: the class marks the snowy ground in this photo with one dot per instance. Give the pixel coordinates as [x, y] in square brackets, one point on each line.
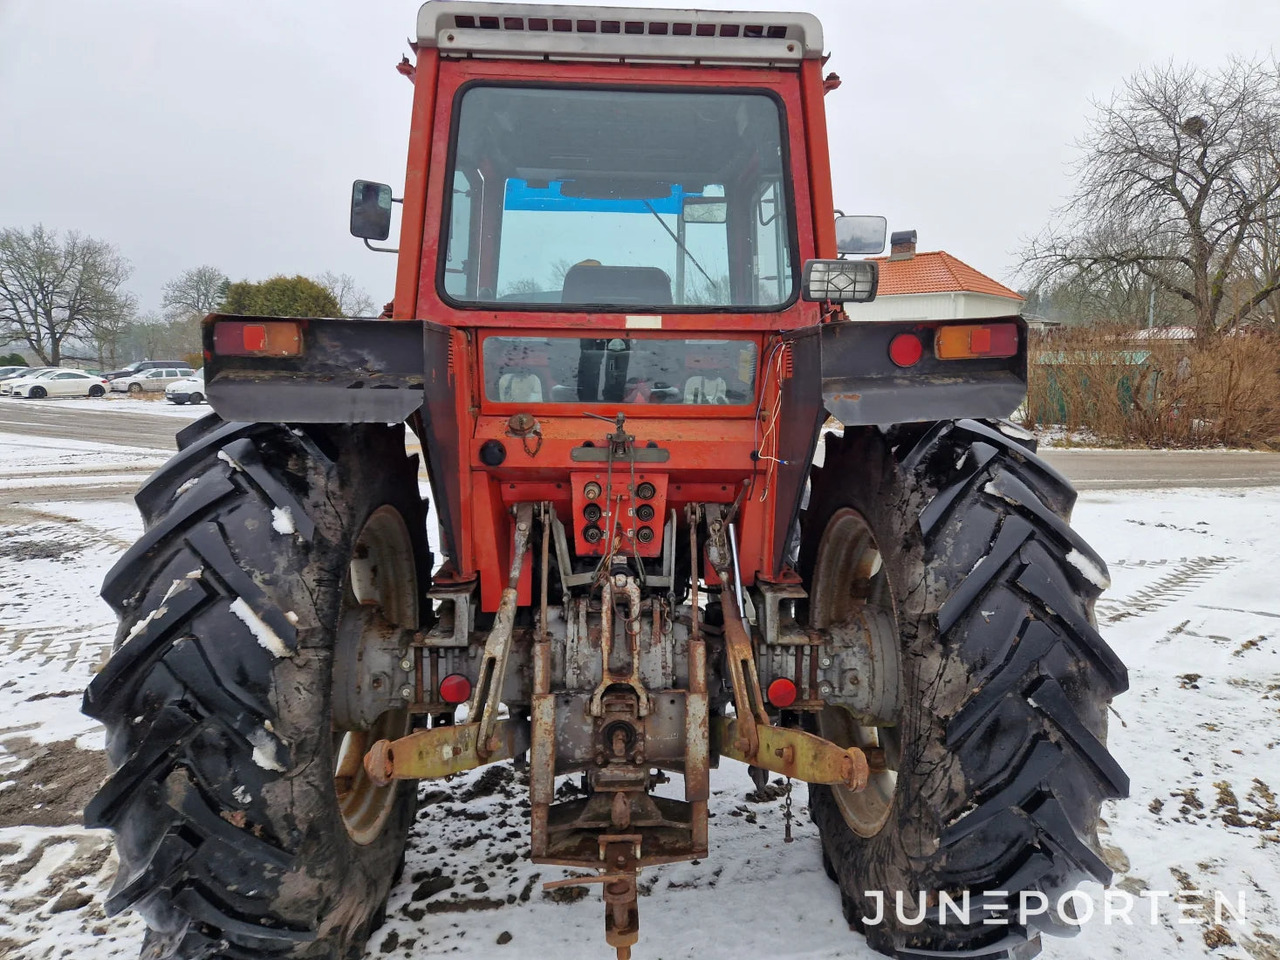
[149, 403]
[1193, 609]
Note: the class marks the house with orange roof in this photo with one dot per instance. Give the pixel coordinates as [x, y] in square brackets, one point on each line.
[932, 285]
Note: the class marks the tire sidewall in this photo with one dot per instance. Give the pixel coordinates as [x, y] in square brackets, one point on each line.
[898, 857]
[359, 876]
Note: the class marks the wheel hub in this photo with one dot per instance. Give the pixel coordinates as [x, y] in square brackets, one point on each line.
[370, 676]
[851, 600]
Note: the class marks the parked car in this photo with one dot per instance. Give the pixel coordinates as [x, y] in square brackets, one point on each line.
[58, 383]
[138, 366]
[153, 379]
[19, 373]
[7, 385]
[187, 390]
[5, 371]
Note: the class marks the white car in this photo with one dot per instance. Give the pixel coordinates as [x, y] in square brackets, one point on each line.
[156, 379]
[188, 390]
[57, 383]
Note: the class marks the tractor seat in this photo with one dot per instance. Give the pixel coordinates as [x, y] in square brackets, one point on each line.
[705, 390]
[519, 388]
[588, 284]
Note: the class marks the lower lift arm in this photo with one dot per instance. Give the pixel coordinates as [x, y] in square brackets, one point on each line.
[749, 736]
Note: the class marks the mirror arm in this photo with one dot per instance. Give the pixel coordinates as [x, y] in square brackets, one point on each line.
[381, 249]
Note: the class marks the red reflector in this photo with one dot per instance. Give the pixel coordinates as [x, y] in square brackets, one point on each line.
[1004, 340]
[782, 692]
[905, 349]
[255, 337]
[455, 688]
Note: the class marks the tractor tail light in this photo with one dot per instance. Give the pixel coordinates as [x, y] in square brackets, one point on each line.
[978, 340]
[269, 338]
[455, 688]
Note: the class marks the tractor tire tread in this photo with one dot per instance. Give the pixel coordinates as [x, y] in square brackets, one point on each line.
[1005, 595]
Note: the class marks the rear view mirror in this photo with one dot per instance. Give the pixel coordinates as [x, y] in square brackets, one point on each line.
[860, 235]
[705, 210]
[370, 210]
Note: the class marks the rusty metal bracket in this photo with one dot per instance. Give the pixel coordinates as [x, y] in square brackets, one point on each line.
[748, 701]
[444, 751]
[630, 589]
[486, 697]
[794, 753]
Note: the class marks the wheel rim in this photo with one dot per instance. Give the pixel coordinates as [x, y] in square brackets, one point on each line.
[382, 573]
[135, 388]
[849, 578]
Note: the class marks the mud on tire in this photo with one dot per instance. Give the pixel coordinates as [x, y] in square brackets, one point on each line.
[999, 744]
[231, 838]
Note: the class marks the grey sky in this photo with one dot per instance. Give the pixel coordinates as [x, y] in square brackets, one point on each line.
[227, 131]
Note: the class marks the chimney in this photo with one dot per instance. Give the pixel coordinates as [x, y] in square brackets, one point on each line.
[902, 245]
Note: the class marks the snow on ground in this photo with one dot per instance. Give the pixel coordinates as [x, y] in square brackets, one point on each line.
[123, 401]
[1193, 610]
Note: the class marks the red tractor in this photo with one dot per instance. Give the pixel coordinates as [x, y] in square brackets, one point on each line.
[688, 507]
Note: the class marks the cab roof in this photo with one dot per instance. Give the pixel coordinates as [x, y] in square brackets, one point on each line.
[477, 29]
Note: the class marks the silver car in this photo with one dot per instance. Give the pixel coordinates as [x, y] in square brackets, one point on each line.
[149, 380]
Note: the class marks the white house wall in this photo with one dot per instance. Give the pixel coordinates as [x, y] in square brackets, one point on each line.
[934, 306]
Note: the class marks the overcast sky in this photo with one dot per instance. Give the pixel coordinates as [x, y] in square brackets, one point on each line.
[227, 132]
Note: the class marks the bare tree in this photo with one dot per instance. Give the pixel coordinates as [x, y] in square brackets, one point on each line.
[153, 337]
[1179, 176]
[53, 290]
[352, 299]
[194, 292]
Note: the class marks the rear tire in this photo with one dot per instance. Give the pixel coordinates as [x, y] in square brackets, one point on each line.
[997, 746]
[242, 826]
[97, 391]
[196, 398]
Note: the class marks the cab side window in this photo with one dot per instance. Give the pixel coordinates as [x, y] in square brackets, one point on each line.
[770, 257]
[459, 266]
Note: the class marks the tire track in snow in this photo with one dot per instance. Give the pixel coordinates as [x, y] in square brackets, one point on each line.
[1189, 575]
